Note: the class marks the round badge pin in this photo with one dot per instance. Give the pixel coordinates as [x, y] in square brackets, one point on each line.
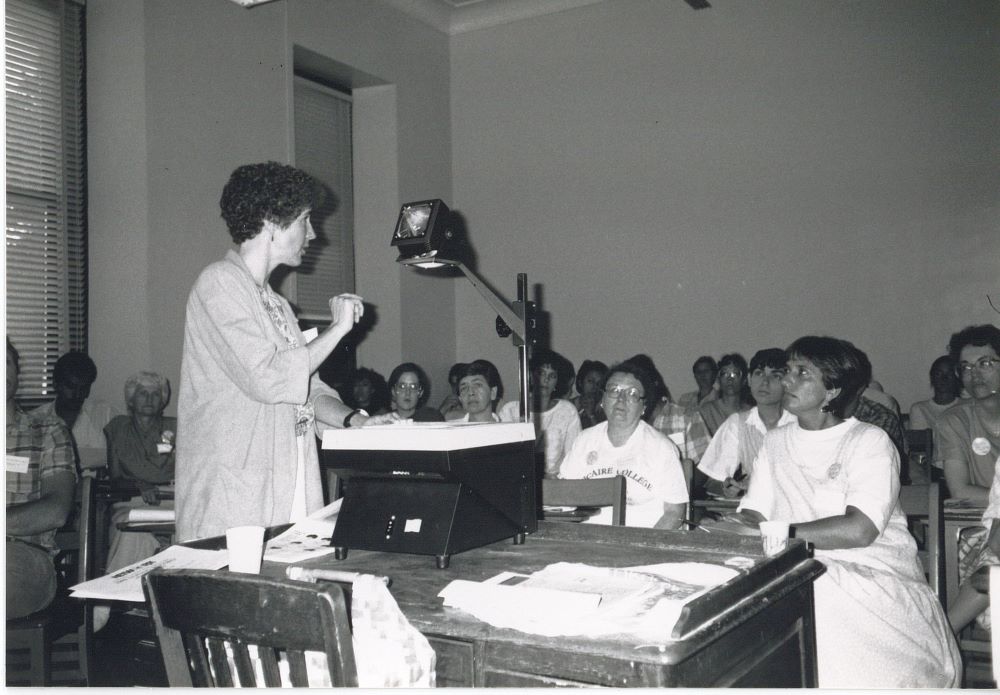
[981, 446]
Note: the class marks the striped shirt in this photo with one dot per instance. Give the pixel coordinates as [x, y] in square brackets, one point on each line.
[46, 444]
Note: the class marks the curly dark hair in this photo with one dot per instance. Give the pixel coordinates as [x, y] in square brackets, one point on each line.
[586, 367]
[267, 192]
[977, 336]
[379, 401]
[563, 368]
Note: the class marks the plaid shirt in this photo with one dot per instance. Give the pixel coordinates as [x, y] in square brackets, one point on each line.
[46, 443]
[686, 429]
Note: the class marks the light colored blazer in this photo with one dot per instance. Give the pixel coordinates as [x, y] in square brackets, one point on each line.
[240, 383]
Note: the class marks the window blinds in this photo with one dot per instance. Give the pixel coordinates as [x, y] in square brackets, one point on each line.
[46, 235]
[323, 149]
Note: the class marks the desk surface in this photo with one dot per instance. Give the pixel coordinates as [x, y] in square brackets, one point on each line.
[732, 619]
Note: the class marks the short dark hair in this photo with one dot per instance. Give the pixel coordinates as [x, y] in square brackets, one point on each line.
[74, 363]
[484, 368]
[979, 336]
[425, 384]
[768, 357]
[705, 359]
[660, 390]
[456, 370]
[541, 357]
[12, 351]
[946, 361]
[842, 365]
[271, 192]
[642, 376]
[586, 367]
[380, 392]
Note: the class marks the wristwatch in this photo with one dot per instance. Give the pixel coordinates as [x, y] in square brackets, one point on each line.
[356, 411]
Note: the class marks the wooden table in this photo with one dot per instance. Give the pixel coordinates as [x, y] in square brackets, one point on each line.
[956, 519]
[756, 630]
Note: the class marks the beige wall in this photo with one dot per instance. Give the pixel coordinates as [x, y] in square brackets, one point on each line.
[690, 182]
[183, 91]
[679, 182]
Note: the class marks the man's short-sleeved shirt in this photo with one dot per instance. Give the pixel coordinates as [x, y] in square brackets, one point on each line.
[44, 440]
[736, 443]
[684, 428]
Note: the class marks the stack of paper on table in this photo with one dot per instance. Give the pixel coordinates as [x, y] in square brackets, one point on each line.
[126, 584]
[147, 515]
[576, 599]
[306, 539]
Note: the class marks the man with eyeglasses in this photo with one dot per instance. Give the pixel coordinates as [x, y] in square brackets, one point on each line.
[968, 436]
[729, 460]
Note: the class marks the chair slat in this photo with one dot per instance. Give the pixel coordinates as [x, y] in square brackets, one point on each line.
[244, 665]
[196, 661]
[297, 668]
[269, 664]
[219, 660]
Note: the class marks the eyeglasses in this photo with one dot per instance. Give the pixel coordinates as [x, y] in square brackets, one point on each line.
[631, 394]
[983, 365]
[406, 387]
[731, 373]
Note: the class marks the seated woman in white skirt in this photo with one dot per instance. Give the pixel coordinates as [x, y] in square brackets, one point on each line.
[836, 480]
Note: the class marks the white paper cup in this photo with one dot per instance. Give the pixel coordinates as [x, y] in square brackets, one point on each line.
[774, 535]
[246, 548]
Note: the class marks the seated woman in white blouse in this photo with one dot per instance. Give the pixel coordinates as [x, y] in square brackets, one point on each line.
[836, 480]
[556, 421]
[656, 492]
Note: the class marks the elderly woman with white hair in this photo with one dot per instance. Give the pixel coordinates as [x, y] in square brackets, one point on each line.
[140, 453]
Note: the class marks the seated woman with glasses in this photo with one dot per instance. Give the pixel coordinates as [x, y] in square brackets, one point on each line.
[556, 421]
[836, 480]
[734, 392]
[626, 445]
[409, 389]
[967, 436]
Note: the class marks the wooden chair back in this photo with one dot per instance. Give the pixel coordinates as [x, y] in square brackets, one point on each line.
[923, 503]
[592, 492]
[920, 442]
[207, 622]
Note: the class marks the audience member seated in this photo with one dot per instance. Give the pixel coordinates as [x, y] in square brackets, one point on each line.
[685, 428]
[968, 437]
[836, 480]
[479, 389]
[72, 377]
[661, 394]
[626, 445]
[140, 453]
[367, 391]
[973, 597]
[451, 407]
[556, 421]
[734, 392]
[729, 461]
[41, 482]
[409, 389]
[706, 371]
[882, 416]
[588, 387]
[875, 392]
[946, 386]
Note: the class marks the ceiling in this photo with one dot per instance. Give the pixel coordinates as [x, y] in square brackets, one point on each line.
[458, 16]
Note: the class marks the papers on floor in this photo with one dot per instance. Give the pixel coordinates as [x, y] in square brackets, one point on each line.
[126, 584]
[307, 539]
[577, 599]
[151, 515]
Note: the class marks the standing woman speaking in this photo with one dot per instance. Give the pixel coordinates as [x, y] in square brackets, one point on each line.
[249, 394]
